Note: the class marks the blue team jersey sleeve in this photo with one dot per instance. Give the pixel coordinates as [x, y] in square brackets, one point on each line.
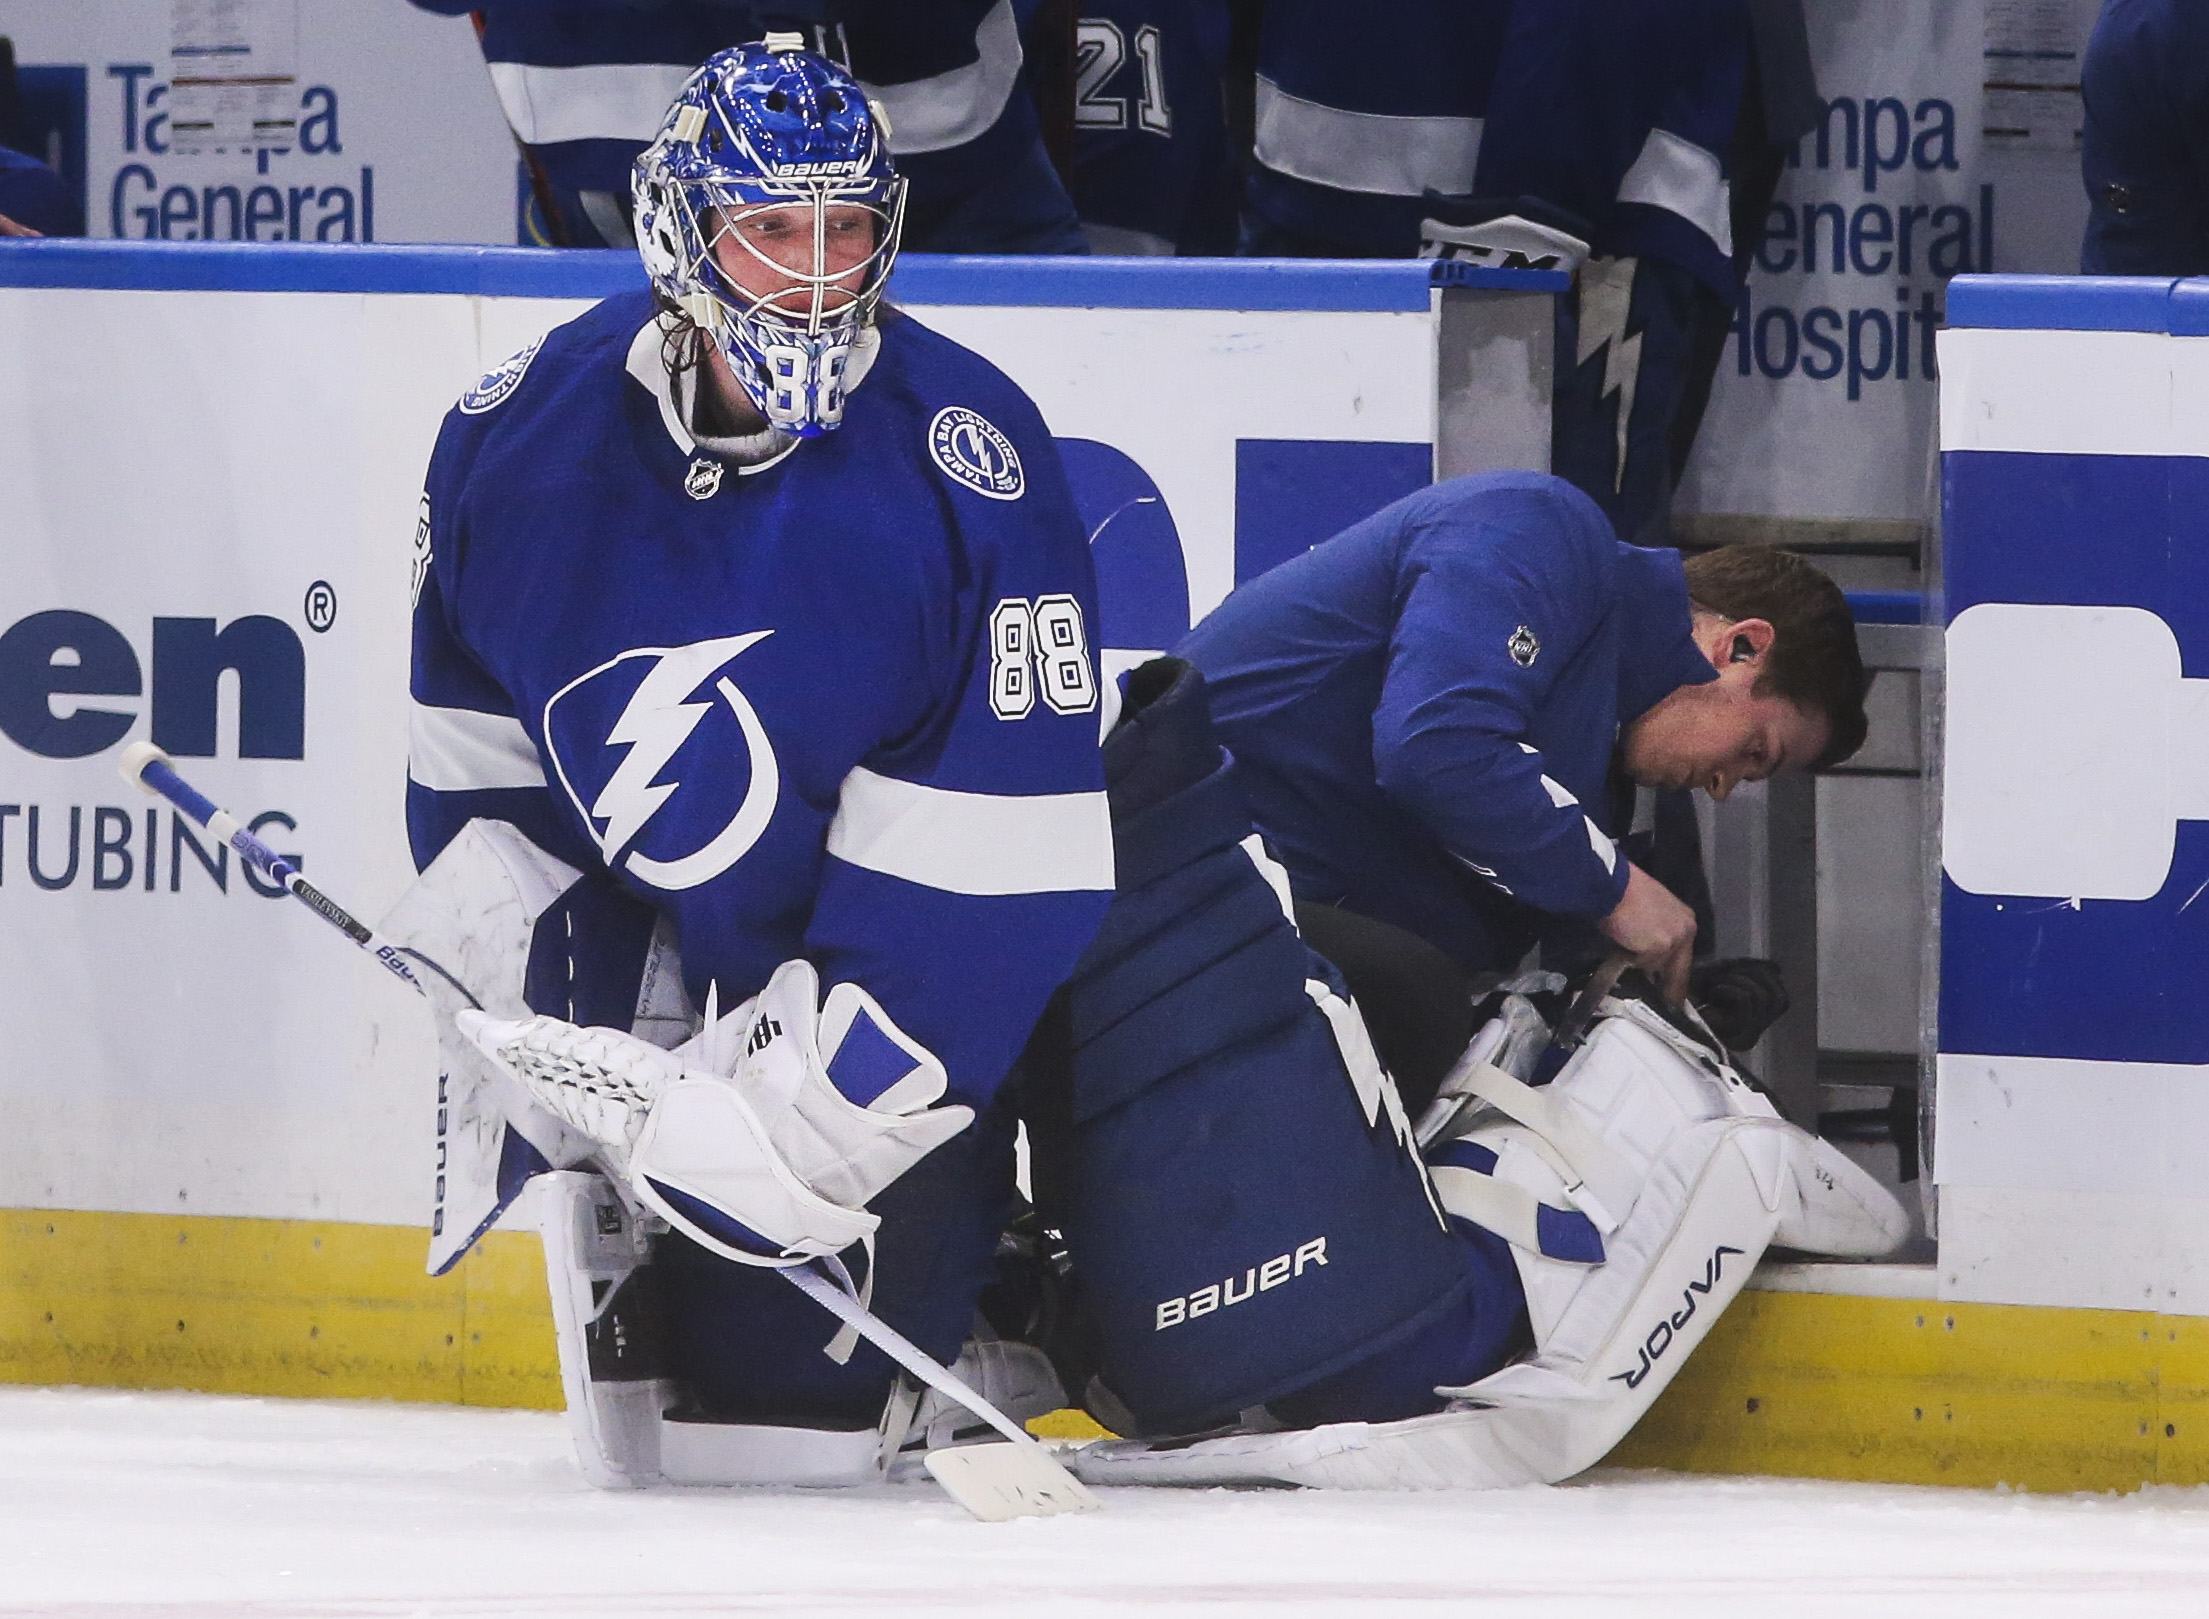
[969, 864]
[468, 754]
[1491, 607]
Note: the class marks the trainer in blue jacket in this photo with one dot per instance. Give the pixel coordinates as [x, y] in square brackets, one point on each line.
[1425, 711]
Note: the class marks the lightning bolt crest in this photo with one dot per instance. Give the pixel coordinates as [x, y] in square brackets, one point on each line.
[1606, 290]
[654, 725]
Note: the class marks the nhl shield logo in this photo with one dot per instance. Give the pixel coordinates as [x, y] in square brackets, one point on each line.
[499, 382]
[703, 480]
[1523, 647]
[968, 446]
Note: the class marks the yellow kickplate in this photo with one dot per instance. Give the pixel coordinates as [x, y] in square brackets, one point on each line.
[1807, 1384]
[1912, 1391]
[237, 1306]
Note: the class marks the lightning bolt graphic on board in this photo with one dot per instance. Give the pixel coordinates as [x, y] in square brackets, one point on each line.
[656, 723]
[1606, 288]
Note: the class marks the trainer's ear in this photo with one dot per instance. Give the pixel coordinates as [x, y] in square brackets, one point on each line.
[1749, 640]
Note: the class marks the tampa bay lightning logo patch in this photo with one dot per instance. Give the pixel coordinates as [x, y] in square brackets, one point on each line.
[498, 382]
[968, 445]
[666, 760]
[1523, 647]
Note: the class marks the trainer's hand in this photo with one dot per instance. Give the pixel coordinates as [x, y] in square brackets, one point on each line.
[9, 227]
[1657, 928]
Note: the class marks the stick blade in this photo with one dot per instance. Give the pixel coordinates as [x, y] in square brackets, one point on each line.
[996, 1482]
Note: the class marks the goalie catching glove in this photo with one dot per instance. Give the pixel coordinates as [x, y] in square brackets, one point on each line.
[766, 1159]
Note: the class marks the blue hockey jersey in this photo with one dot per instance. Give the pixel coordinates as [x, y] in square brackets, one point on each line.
[1423, 709]
[585, 85]
[34, 196]
[1620, 111]
[840, 704]
[2146, 153]
[1357, 117]
[1151, 170]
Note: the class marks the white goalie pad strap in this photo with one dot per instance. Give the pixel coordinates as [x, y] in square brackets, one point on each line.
[1512, 1040]
[1465, 1180]
[474, 910]
[1450, 1104]
[1596, 1178]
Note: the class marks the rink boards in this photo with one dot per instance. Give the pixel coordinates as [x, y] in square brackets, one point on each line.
[212, 461]
[2072, 1128]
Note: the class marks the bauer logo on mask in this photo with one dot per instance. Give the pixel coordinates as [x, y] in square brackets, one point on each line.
[666, 760]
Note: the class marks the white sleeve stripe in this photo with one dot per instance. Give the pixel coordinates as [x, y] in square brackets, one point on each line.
[1559, 794]
[458, 750]
[1605, 850]
[961, 104]
[618, 101]
[1675, 174]
[973, 843]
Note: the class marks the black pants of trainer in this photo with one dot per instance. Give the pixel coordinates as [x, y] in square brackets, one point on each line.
[1418, 1003]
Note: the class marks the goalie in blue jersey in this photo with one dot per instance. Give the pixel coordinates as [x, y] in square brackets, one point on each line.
[752, 685]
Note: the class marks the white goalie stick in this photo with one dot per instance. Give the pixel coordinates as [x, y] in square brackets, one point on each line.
[1017, 1479]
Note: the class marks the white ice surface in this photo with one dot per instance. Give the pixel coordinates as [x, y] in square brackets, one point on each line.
[182, 1506]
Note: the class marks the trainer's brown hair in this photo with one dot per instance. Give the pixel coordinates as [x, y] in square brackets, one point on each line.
[1814, 662]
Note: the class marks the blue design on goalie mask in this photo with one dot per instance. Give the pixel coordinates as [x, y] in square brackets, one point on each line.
[766, 163]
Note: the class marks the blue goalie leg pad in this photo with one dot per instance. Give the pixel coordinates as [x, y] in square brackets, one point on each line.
[1482, 1330]
[1244, 1216]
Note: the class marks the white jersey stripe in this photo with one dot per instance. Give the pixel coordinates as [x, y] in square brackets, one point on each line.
[950, 109]
[1364, 151]
[973, 843]
[1675, 174]
[458, 750]
[628, 101]
[606, 101]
